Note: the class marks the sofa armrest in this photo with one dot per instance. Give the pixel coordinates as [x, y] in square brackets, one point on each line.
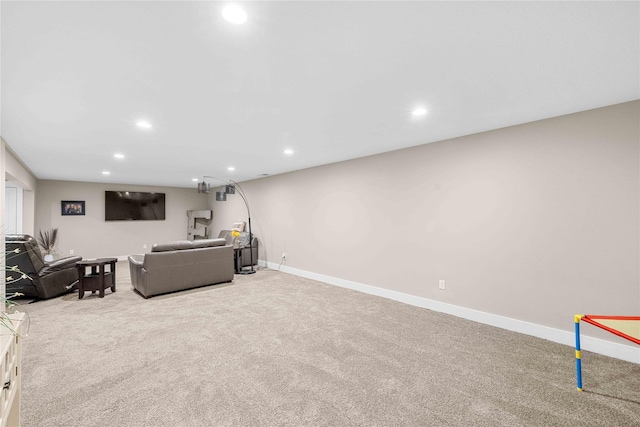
[136, 264]
[136, 260]
[60, 264]
[64, 261]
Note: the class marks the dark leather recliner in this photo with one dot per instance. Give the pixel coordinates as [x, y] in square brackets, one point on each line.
[45, 280]
[243, 241]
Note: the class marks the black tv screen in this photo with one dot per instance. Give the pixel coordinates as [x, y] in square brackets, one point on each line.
[133, 205]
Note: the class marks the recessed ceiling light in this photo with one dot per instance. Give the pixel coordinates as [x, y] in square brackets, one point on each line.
[419, 112]
[231, 168]
[106, 173]
[118, 156]
[195, 179]
[288, 151]
[234, 14]
[143, 124]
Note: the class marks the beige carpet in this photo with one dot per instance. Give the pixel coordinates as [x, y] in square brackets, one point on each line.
[278, 350]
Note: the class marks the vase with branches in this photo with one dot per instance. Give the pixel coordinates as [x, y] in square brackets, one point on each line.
[8, 307]
[11, 307]
[47, 240]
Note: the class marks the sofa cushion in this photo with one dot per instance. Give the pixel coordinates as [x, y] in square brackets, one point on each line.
[208, 243]
[172, 246]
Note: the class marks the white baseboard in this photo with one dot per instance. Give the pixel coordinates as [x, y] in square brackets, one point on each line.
[595, 345]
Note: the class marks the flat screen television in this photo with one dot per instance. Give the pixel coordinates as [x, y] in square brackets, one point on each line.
[133, 205]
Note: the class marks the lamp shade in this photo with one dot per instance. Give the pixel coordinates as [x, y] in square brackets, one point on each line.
[230, 189]
[221, 196]
[204, 187]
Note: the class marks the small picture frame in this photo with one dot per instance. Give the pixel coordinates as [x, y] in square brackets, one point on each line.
[238, 226]
[72, 207]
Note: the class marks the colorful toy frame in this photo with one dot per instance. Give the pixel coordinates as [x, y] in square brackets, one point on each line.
[595, 321]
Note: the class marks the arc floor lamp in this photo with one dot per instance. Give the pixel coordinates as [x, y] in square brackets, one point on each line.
[221, 196]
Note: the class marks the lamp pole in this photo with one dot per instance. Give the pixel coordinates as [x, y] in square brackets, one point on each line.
[230, 189]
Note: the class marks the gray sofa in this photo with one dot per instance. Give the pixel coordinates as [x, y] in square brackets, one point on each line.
[181, 265]
[243, 240]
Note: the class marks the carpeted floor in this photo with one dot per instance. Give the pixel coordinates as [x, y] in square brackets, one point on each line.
[273, 349]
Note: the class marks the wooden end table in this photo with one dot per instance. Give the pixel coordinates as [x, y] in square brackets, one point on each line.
[98, 278]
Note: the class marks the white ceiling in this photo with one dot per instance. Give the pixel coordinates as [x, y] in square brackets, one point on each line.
[330, 80]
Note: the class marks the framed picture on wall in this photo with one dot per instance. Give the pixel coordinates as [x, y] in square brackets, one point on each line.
[238, 226]
[72, 207]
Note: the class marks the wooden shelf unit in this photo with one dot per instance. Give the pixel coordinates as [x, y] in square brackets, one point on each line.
[11, 371]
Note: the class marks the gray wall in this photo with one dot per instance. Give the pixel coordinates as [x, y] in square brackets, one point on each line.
[91, 236]
[2, 202]
[535, 222]
[19, 175]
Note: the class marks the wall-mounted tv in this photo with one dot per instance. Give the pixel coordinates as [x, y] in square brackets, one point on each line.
[133, 205]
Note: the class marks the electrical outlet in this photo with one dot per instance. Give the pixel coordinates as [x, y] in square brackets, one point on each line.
[144, 246]
[71, 251]
[441, 284]
[284, 255]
